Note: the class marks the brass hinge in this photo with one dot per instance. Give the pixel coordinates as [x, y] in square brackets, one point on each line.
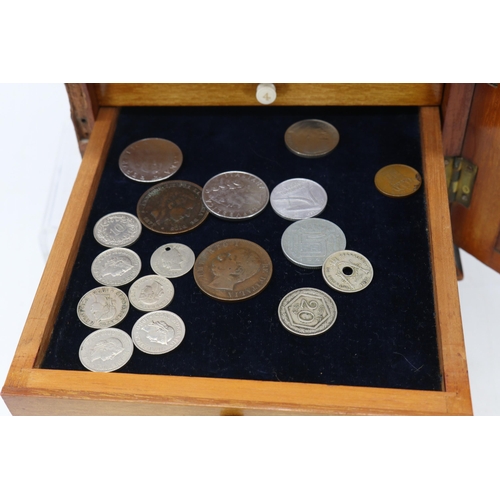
[460, 178]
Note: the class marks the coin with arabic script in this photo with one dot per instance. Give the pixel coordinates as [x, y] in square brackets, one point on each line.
[311, 138]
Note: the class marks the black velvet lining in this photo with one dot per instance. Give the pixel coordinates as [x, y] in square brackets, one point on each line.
[384, 336]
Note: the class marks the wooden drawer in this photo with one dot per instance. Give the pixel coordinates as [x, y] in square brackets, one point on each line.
[32, 388]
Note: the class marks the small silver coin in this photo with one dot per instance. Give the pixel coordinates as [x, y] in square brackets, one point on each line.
[150, 160]
[102, 307]
[235, 195]
[106, 350]
[296, 199]
[311, 138]
[158, 332]
[119, 229]
[172, 260]
[307, 243]
[116, 267]
[307, 311]
[347, 271]
[151, 293]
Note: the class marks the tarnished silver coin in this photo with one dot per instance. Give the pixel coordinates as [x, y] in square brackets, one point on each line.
[172, 260]
[311, 138]
[347, 271]
[307, 311]
[150, 160]
[106, 350]
[158, 332]
[151, 293]
[116, 267]
[235, 195]
[119, 229]
[102, 307]
[296, 199]
[307, 243]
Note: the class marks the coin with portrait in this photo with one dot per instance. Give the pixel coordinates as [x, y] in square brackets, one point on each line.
[151, 293]
[103, 307]
[116, 267]
[172, 260]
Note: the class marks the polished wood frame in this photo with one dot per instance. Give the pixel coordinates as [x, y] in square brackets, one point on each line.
[31, 390]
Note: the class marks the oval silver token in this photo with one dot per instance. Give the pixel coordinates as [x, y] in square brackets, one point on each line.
[296, 199]
[106, 350]
[307, 311]
[307, 243]
[158, 332]
[119, 229]
[347, 271]
[311, 138]
[116, 267]
[102, 307]
[172, 260]
[235, 195]
[150, 160]
[151, 293]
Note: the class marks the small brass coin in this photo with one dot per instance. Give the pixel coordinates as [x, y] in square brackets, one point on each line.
[233, 270]
[172, 207]
[397, 181]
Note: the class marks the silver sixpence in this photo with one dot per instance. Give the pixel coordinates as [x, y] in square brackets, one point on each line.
[151, 293]
[158, 332]
[106, 350]
[311, 138]
[150, 160]
[116, 267]
[172, 260]
[235, 195]
[347, 271]
[307, 311]
[119, 229]
[103, 307]
[296, 199]
[307, 243]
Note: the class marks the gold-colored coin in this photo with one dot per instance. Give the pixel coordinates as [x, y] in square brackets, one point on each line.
[397, 181]
[233, 270]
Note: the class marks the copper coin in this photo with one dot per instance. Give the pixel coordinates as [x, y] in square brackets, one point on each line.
[397, 181]
[150, 160]
[172, 207]
[233, 270]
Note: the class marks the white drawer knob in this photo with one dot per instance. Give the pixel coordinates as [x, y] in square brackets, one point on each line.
[266, 93]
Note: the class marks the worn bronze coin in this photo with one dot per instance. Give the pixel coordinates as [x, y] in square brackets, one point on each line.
[233, 270]
[397, 181]
[172, 207]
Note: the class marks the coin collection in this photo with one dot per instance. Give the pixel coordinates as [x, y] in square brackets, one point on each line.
[228, 270]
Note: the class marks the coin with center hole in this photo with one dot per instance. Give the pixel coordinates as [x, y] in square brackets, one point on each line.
[347, 271]
[172, 260]
[397, 181]
[311, 138]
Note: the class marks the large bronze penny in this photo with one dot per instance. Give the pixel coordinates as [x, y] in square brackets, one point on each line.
[172, 207]
[397, 181]
[233, 270]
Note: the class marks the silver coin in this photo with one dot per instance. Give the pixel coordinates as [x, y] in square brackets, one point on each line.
[235, 195]
[119, 229]
[150, 160]
[151, 293]
[347, 271]
[307, 311]
[102, 307]
[106, 350]
[116, 267]
[172, 260]
[296, 199]
[311, 138]
[158, 332]
[307, 243]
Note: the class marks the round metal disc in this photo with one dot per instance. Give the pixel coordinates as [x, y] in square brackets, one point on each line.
[347, 271]
[311, 138]
[296, 199]
[103, 307]
[172, 260]
[307, 243]
[151, 293]
[119, 229]
[397, 181]
[150, 160]
[116, 267]
[307, 311]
